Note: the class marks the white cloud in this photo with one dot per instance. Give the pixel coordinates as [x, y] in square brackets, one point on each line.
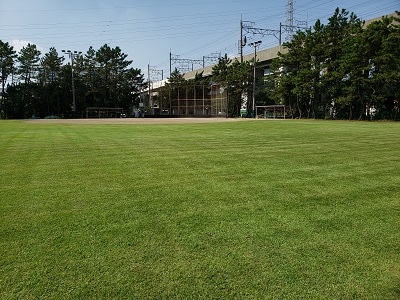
[19, 44]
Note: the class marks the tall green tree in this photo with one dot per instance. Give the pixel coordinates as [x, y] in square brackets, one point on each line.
[90, 75]
[112, 64]
[340, 32]
[340, 68]
[383, 40]
[237, 79]
[175, 87]
[291, 75]
[50, 73]
[102, 77]
[7, 57]
[390, 56]
[299, 63]
[28, 70]
[129, 87]
[28, 60]
[220, 72]
[176, 78]
[50, 66]
[352, 64]
[316, 46]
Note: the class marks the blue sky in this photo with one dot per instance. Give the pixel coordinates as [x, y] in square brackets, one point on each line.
[148, 30]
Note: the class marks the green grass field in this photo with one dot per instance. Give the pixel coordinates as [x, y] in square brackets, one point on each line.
[240, 210]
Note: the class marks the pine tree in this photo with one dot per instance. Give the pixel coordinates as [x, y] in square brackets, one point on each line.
[7, 57]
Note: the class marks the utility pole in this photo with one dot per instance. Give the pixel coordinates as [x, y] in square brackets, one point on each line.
[170, 63]
[72, 55]
[213, 58]
[186, 65]
[241, 40]
[154, 73]
[149, 87]
[255, 45]
[262, 32]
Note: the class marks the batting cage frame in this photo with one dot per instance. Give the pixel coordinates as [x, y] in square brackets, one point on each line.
[191, 100]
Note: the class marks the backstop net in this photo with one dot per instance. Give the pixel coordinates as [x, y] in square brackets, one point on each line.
[191, 100]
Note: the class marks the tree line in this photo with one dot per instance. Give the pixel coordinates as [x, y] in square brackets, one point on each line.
[37, 86]
[343, 69]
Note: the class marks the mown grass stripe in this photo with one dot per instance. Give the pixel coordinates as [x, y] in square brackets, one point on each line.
[292, 209]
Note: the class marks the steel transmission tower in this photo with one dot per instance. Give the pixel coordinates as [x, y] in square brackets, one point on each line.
[290, 20]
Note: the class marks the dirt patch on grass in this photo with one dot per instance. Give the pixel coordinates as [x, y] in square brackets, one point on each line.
[137, 120]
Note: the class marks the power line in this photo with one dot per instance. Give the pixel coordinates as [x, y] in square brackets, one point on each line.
[122, 7]
[214, 30]
[134, 21]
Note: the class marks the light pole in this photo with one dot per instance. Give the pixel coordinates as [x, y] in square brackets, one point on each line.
[72, 55]
[139, 82]
[255, 45]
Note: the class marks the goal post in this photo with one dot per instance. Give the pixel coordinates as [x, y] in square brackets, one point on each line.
[271, 112]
